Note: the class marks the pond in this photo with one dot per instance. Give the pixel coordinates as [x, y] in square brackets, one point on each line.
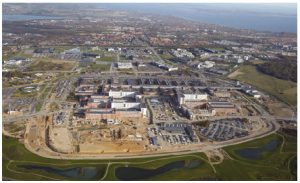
[134, 173]
[256, 153]
[80, 173]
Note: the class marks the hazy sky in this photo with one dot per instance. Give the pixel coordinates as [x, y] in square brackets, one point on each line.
[263, 17]
[282, 8]
[275, 17]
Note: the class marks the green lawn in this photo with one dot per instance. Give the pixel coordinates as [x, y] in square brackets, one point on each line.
[276, 165]
[253, 144]
[14, 153]
[282, 89]
[16, 55]
[166, 56]
[273, 165]
[290, 144]
[19, 93]
[47, 65]
[107, 59]
[200, 172]
[38, 106]
[233, 170]
[97, 67]
[45, 92]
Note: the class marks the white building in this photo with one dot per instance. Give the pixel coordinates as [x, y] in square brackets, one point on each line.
[172, 68]
[122, 94]
[125, 65]
[182, 53]
[206, 64]
[254, 93]
[251, 92]
[246, 57]
[38, 74]
[72, 51]
[144, 110]
[95, 48]
[125, 105]
[16, 61]
[191, 97]
[120, 104]
[166, 67]
[110, 49]
[240, 60]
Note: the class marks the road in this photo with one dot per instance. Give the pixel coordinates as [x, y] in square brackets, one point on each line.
[28, 116]
[155, 53]
[273, 127]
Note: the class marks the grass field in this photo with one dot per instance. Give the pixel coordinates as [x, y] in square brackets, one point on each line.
[256, 62]
[277, 165]
[273, 165]
[97, 67]
[107, 59]
[19, 93]
[38, 106]
[17, 55]
[203, 171]
[166, 56]
[50, 66]
[282, 89]
[14, 153]
[45, 92]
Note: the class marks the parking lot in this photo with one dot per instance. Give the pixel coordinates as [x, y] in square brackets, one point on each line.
[41, 55]
[158, 81]
[169, 134]
[61, 87]
[20, 104]
[226, 129]
[69, 56]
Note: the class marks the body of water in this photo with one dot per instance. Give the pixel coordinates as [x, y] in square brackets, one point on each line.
[15, 17]
[260, 17]
[80, 173]
[256, 153]
[134, 173]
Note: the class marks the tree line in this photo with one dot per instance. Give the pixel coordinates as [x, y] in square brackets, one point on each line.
[286, 70]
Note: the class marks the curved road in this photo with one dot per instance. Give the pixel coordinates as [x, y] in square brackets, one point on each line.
[273, 127]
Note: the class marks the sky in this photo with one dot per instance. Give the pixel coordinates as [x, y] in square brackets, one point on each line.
[262, 17]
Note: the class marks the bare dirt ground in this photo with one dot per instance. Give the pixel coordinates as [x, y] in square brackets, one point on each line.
[279, 109]
[60, 139]
[112, 147]
[132, 138]
[215, 156]
[235, 74]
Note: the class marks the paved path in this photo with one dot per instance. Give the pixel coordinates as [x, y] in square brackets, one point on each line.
[105, 163]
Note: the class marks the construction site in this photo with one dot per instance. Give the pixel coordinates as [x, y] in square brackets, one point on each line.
[106, 120]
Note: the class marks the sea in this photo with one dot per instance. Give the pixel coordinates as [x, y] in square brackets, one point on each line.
[260, 17]
[19, 17]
